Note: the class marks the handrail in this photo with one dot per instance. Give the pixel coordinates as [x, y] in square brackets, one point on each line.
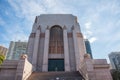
[28, 72]
[27, 75]
[83, 70]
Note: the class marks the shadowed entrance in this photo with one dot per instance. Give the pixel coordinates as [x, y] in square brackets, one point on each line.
[56, 65]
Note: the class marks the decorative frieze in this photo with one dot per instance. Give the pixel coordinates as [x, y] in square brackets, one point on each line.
[42, 35]
[70, 35]
[48, 27]
[39, 28]
[64, 27]
[79, 35]
[32, 35]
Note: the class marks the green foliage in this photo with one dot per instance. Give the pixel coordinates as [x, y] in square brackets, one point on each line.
[2, 58]
[115, 74]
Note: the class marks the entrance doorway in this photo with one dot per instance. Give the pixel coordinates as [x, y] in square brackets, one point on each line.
[56, 65]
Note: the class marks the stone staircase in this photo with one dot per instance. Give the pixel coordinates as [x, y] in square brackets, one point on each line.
[55, 76]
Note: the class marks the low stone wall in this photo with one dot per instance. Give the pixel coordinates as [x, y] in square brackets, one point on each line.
[24, 70]
[15, 69]
[95, 69]
[101, 70]
[83, 70]
[8, 70]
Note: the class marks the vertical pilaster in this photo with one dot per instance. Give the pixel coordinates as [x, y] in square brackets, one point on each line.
[66, 52]
[35, 50]
[30, 47]
[81, 46]
[77, 56]
[46, 49]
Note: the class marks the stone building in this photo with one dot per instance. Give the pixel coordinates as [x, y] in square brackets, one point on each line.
[56, 51]
[3, 50]
[57, 39]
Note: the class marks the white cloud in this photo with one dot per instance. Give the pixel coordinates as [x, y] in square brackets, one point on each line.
[93, 39]
[88, 30]
[15, 34]
[85, 37]
[27, 8]
[88, 25]
[14, 5]
[31, 8]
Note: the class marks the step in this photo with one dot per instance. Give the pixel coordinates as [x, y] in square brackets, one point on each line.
[55, 76]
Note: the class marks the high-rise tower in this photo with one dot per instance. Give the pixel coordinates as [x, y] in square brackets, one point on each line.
[115, 60]
[16, 49]
[88, 48]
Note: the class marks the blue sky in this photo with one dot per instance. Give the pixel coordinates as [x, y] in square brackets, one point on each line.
[99, 20]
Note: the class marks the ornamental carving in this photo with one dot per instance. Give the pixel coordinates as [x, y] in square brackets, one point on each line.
[79, 35]
[42, 35]
[32, 35]
[69, 35]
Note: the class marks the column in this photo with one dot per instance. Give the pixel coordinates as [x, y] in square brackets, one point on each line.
[81, 46]
[35, 50]
[77, 56]
[66, 52]
[46, 49]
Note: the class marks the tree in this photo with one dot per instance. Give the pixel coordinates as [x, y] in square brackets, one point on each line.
[115, 74]
[2, 58]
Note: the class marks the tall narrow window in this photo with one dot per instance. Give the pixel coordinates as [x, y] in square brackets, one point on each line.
[56, 40]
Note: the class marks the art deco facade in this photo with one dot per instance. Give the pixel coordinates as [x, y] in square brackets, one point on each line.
[56, 39]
